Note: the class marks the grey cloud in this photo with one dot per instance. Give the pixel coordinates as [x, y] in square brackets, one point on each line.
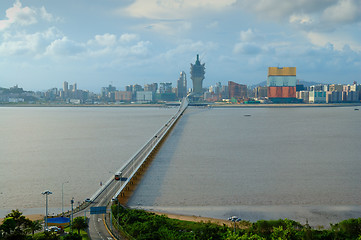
[325, 15]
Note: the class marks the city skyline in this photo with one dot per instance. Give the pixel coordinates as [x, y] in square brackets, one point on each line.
[95, 44]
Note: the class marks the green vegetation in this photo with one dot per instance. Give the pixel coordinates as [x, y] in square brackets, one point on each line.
[80, 223]
[15, 226]
[140, 224]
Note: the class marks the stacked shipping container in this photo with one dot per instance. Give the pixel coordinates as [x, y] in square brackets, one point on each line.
[281, 84]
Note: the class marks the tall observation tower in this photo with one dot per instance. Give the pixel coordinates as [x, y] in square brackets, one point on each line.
[197, 76]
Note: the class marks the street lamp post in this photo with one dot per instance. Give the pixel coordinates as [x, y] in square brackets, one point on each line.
[46, 193]
[234, 219]
[62, 198]
[72, 202]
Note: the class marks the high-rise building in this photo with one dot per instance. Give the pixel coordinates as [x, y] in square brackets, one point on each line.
[237, 91]
[65, 86]
[151, 87]
[260, 92]
[182, 85]
[281, 84]
[123, 96]
[197, 76]
[165, 87]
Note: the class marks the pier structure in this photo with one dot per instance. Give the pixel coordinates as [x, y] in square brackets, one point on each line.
[119, 188]
[134, 167]
[137, 165]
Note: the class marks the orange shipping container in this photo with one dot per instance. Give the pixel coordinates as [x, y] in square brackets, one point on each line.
[281, 92]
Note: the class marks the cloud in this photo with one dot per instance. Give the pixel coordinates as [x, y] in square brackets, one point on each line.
[336, 40]
[18, 15]
[139, 49]
[343, 12]
[173, 9]
[171, 28]
[280, 10]
[301, 19]
[250, 35]
[65, 47]
[251, 43]
[127, 37]
[22, 43]
[106, 39]
[326, 15]
[24, 16]
[189, 47]
[111, 45]
[45, 15]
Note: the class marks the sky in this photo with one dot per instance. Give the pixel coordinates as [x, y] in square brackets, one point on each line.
[121, 42]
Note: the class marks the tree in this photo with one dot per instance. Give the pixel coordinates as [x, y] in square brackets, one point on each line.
[18, 218]
[80, 223]
[14, 225]
[73, 236]
[33, 226]
[48, 236]
[8, 226]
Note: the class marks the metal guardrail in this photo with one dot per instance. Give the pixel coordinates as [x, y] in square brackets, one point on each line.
[138, 159]
[135, 162]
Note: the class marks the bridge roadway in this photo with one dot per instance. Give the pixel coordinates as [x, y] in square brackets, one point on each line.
[98, 229]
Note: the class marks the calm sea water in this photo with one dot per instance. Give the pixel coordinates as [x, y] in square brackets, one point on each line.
[45, 148]
[299, 163]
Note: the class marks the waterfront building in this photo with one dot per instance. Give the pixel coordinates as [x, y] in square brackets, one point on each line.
[319, 87]
[182, 85]
[129, 88]
[281, 84]
[197, 76]
[260, 92]
[350, 96]
[333, 97]
[123, 96]
[336, 88]
[151, 87]
[237, 91]
[136, 88]
[165, 87]
[303, 95]
[144, 96]
[317, 97]
[64, 94]
[224, 92]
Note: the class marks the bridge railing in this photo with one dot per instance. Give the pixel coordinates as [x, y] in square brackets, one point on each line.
[136, 162]
[130, 168]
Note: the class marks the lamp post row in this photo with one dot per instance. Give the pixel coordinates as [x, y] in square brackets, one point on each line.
[47, 193]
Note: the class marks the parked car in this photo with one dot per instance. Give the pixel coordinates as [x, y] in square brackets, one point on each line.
[54, 229]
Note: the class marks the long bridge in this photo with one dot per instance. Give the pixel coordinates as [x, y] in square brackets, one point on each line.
[100, 227]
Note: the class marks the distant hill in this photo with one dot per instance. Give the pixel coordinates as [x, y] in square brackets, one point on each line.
[305, 83]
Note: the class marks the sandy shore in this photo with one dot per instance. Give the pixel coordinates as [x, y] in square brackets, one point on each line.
[32, 217]
[195, 218]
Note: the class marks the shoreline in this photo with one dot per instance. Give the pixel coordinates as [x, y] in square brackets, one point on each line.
[194, 218]
[287, 105]
[32, 217]
[211, 105]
